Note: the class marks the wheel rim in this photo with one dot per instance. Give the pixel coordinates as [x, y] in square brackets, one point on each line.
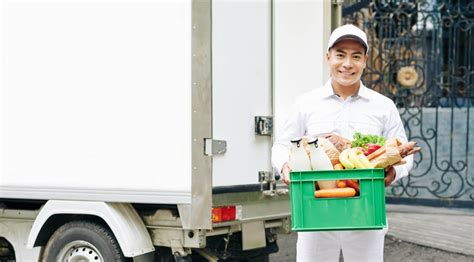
[79, 250]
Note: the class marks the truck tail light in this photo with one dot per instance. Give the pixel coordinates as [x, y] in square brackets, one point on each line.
[222, 214]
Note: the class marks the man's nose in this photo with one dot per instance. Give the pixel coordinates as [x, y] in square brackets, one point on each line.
[347, 62]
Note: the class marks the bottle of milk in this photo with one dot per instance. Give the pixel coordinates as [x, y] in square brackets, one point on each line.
[299, 160]
[320, 161]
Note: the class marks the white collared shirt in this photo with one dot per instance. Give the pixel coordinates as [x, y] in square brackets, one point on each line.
[322, 111]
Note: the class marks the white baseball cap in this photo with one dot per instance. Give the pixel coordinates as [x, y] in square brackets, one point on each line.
[348, 32]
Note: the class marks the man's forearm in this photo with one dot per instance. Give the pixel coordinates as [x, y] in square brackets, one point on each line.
[402, 170]
[280, 156]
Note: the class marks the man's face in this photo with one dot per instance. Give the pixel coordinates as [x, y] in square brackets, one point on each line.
[346, 60]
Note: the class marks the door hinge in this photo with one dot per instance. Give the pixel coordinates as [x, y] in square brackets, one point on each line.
[264, 125]
[214, 147]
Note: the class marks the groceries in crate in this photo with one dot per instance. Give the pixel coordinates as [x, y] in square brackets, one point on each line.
[307, 154]
[318, 157]
[333, 152]
[353, 184]
[392, 154]
[339, 142]
[330, 149]
[354, 158]
[341, 183]
[374, 152]
[335, 192]
[367, 151]
[299, 156]
[320, 161]
[367, 143]
[344, 188]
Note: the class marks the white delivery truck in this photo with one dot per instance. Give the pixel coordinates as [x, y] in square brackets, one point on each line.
[143, 128]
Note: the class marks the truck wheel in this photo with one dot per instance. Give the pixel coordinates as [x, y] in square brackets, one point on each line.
[82, 241]
[263, 258]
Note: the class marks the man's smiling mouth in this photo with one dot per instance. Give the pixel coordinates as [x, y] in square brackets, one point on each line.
[347, 73]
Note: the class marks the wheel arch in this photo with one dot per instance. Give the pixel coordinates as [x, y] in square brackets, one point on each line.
[121, 218]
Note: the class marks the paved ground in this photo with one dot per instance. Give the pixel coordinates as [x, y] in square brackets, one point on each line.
[397, 250]
[416, 234]
[445, 229]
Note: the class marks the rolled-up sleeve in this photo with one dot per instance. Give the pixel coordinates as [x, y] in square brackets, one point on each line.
[394, 128]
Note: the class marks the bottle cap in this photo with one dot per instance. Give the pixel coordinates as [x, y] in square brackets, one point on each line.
[296, 140]
[313, 140]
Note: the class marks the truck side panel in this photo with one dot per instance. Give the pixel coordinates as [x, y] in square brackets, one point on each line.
[96, 100]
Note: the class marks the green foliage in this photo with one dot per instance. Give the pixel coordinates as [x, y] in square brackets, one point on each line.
[361, 140]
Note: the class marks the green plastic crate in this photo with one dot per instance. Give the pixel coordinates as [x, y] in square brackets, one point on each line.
[366, 211]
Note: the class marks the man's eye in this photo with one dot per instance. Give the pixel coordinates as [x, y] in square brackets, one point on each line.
[339, 55]
[357, 57]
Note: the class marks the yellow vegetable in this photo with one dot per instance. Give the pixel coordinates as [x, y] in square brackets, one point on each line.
[354, 158]
[344, 159]
[364, 161]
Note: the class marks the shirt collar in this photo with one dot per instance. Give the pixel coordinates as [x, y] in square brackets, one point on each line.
[327, 91]
[363, 91]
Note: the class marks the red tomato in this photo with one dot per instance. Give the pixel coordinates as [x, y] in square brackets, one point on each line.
[372, 148]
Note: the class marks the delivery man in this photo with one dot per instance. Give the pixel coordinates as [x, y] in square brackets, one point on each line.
[342, 107]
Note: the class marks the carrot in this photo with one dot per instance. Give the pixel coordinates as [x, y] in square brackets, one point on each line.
[353, 184]
[335, 192]
[341, 183]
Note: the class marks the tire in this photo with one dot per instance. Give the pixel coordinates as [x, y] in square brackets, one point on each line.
[263, 258]
[82, 241]
[163, 254]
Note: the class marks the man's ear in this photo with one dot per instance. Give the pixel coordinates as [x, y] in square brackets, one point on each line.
[327, 56]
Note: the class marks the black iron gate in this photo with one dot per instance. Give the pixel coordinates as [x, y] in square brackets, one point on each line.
[421, 54]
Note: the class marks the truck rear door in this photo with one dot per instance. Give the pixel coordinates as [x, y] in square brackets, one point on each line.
[241, 48]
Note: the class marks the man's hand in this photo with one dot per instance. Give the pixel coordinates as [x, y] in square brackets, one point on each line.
[285, 171]
[390, 174]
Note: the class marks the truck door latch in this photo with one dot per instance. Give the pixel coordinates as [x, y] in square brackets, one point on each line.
[214, 147]
[263, 125]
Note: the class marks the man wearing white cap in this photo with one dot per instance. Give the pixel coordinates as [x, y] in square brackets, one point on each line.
[342, 107]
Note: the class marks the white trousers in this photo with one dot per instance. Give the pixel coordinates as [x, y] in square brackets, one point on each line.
[357, 246]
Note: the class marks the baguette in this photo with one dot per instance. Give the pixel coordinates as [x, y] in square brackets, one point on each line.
[388, 158]
[329, 149]
[392, 153]
[394, 141]
[401, 162]
[336, 192]
[405, 148]
[414, 150]
[376, 153]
